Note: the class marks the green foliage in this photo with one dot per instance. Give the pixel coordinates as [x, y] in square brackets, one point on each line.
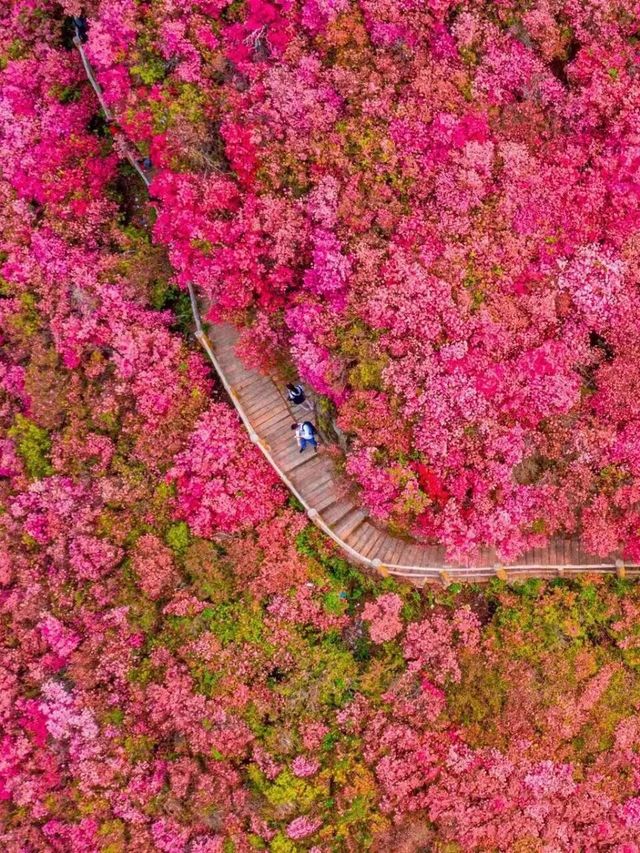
[335, 602]
[325, 411]
[529, 589]
[205, 679]
[358, 343]
[167, 297]
[139, 748]
[367, 375]
[114, 716]
[478, 697]
[295, 504]
[234, 622]
[68, 94]
[33, 445]
[568, 615]
[281, 844]
[177, 537]
[142, 612]
[17, 49]
[27, 320]
[328, 679]
[288, 790]
[185, 105]
[150, 70]
[235, 11]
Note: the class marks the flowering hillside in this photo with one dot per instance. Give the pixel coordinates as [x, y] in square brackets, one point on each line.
[430, 208]
[186, 665]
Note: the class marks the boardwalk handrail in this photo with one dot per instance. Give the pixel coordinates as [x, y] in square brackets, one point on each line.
[444, 573]
[108, 115]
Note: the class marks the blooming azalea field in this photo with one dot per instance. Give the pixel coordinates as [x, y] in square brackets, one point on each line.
[427, 209]
[430, 210]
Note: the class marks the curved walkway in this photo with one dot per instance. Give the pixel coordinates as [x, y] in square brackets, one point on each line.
[324, 496]
[312, 478]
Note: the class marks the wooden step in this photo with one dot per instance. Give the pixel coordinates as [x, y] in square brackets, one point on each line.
[345, 527]
[337, 511]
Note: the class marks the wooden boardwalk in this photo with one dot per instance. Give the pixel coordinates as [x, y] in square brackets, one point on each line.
[330, 503]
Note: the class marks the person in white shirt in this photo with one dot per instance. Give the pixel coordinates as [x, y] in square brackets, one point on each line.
[305, 434]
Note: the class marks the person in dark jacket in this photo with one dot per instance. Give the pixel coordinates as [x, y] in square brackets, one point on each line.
[296, 396]
[81, 26]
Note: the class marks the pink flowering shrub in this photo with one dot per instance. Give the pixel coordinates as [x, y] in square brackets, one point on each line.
[302, 827]
[153, 565]
[383, 614]
[215, 477]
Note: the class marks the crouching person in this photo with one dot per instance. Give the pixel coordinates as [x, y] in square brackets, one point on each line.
[305, 434]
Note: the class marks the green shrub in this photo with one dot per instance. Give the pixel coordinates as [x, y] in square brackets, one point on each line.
[33, 445]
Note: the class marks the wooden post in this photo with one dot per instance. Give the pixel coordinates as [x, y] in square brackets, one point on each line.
[132, 160]
[501, 573]
[445, 580]
[109, 117]
[194, 308]
[378, 565]
[621, 572]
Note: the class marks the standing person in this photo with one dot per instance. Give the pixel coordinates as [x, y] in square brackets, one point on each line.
[82, 28]
[296, 395]
[305, 434]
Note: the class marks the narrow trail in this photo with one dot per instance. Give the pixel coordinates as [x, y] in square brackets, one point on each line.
[325, 496]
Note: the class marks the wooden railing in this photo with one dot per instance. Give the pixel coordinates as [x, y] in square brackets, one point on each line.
[108, 115]
[444, 574]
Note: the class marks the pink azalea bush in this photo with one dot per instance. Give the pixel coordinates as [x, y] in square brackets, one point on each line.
[215, 477]
[383, 614]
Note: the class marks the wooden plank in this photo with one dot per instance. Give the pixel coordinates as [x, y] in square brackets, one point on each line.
[298, 461]
[271, 421]
[386, 554]
[261, 406]
[370, 548]
[399, 546]
[347, 525]
[280, 437]
[363, 536]
[409, 555]
[336, 512]
[319, 485]
[324, 500]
